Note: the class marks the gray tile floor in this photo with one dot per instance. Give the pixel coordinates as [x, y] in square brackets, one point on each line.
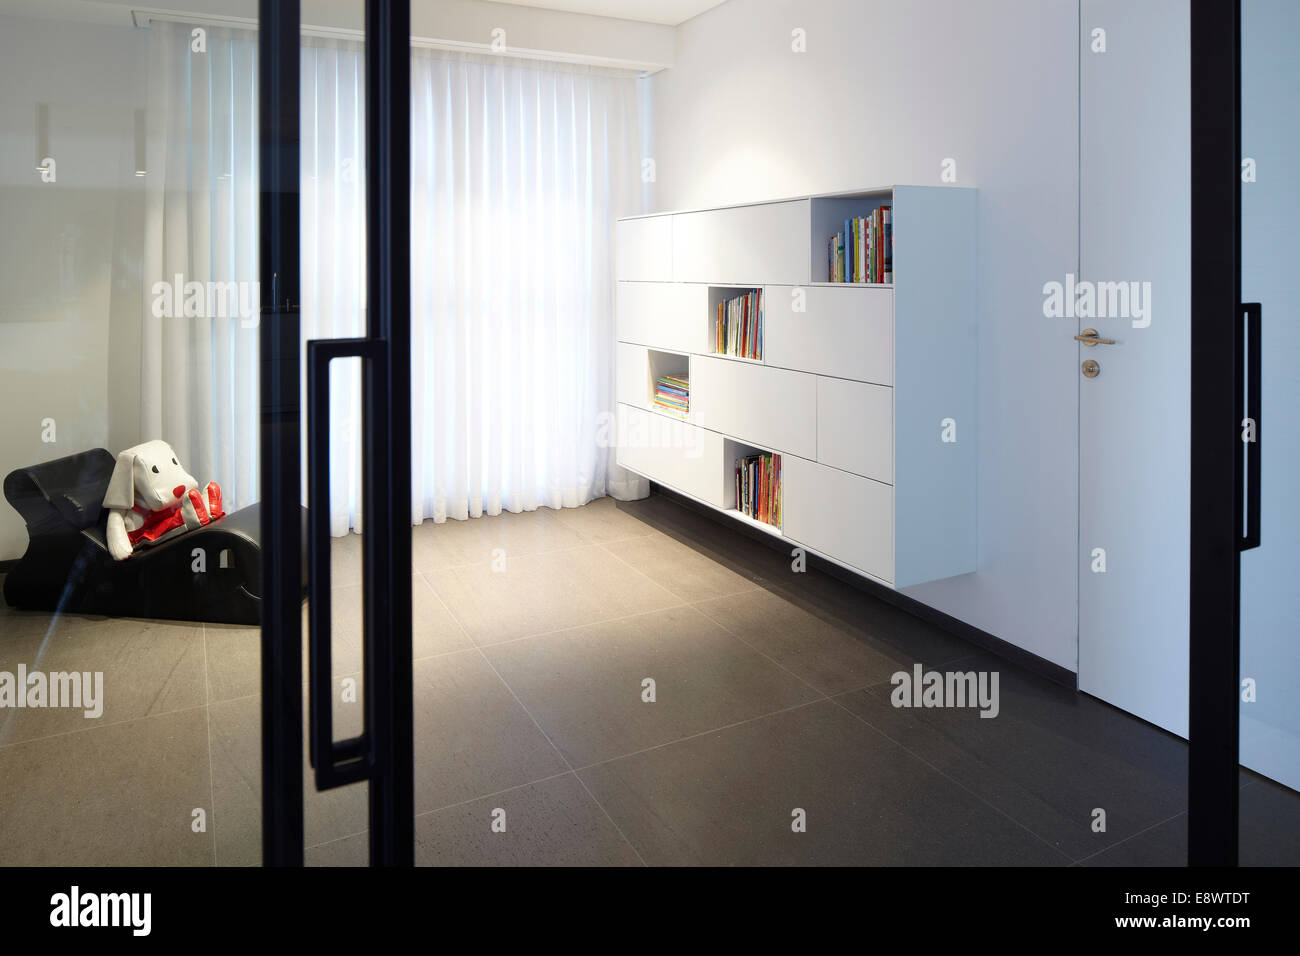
[535, 635]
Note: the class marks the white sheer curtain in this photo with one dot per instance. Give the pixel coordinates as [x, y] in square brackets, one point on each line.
[333, 248]
[518, 171]
[198, 380]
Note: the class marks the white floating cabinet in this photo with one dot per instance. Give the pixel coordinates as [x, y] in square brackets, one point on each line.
[664, 315]
[855, 427]
[839, 330]
[843, 516]
[742, 245]
[866, 390]
[632, 375]
[769, 407]
[643, 249]
[681, 455]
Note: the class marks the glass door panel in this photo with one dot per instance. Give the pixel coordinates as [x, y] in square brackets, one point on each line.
[1270, 602]
[130, 533]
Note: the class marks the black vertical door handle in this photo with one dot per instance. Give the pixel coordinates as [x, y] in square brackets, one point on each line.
[336, 762]
[1250, 426]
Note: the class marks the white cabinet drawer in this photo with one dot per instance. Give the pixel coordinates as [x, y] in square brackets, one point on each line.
[673, 453]
[770, 407]
[664, 315]
[644, 249]
[855, 427]
[844, 516]
[848, 333]
[747, 245]
[632, 381]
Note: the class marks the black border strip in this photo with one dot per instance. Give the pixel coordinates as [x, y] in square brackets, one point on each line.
[1216, 457]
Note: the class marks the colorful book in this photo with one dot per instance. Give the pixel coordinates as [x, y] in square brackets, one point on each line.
[673, 393]
[758, 487]
[888, 244]
[738, 326]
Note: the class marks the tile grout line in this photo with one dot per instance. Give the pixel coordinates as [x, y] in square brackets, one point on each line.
[584, 542]
[575, 627]
[100, 725]
[207, 726]
[545, 735]
[754, 586]
[496, 793]
[825, 694]
[700, 733]
[951, 779]
[945, 663]
[765, 655]
[452, 806]
[478, 564]
[1131, 836]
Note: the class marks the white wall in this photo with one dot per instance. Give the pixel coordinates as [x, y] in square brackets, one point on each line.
[884, 93]
[69, 250]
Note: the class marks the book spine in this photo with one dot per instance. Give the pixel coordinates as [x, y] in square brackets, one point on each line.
[778, 491]
[866, 245]
[859, 245]
[880, 257]
[848, 248]
[888, 244]
[857, 252]
[875, 249]
[857, 248]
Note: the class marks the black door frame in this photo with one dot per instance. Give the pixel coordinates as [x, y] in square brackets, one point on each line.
[279, 390]
[1217, 492]
[386, 412]
[383, 754]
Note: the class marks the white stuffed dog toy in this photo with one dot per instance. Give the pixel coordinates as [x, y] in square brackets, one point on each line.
[151, 497]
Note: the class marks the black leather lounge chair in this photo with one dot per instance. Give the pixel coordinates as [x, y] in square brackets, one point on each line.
[67, 566]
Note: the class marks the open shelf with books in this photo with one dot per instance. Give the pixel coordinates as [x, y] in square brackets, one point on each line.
[669, 381]
[736, 322]
[753, 487]
[852, 237]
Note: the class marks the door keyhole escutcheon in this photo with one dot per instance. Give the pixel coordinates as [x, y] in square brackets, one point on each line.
[1090, 369]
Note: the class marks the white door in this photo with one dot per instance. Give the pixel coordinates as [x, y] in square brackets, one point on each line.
[1134, 221]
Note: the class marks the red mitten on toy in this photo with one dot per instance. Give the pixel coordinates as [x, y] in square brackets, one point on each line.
[213, 492]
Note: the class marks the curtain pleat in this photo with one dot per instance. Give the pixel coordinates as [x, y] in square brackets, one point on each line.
[518, 170]
[199, 371]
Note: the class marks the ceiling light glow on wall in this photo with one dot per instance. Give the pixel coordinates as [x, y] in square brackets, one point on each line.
[42, 135]
[139, 143]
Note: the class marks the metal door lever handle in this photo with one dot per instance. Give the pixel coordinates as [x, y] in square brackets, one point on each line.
[1089, 337]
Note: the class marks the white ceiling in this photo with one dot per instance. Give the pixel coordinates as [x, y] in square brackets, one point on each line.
[670, 12]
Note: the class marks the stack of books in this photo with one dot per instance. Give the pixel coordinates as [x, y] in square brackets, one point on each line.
[738, 327]
[758, 488]
[864, 251]
[673, 394]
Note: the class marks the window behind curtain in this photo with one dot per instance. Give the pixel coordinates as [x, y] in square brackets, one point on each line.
[519, 169]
